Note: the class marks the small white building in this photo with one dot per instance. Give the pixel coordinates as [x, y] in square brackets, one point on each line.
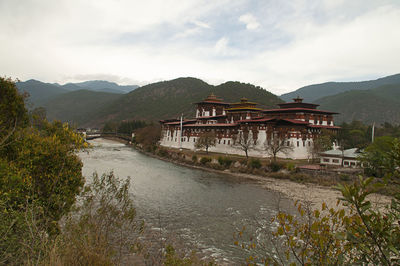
[335, 158]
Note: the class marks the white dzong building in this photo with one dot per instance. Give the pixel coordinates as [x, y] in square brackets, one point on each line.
[296, 124]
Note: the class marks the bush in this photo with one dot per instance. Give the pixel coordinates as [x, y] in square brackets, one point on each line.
[344, 177]
[254, 163]
[194, 158]
[291, 167]
[225, 161]
[275, 166]
[205, 160]
[163, 153]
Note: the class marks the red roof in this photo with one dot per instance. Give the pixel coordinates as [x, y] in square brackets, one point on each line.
[323, 126]
[297, 109]
[211, 125]
[261, 119]
[295, 121]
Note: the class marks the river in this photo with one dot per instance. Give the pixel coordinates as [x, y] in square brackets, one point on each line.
[200, 208]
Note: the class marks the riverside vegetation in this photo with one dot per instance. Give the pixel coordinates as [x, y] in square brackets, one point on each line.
[49, 215]
[355, 232]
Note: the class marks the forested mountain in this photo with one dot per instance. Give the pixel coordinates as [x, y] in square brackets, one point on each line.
[77, 106]
[313, 92]
[106, 86]
[169, 99]
[39, 92]
[377, 105]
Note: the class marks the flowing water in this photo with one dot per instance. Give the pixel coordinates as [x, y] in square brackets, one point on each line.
[200, 208]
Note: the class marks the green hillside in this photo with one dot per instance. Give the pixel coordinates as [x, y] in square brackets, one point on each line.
[77, 106]
[377, 105]
[169, 99]
[39, 92]
[313, 92]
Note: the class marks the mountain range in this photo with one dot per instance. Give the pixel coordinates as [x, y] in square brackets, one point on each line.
[41, 92]
[314, 92]
[92, 103]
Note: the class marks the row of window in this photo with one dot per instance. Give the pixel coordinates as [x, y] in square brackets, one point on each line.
[346, 163]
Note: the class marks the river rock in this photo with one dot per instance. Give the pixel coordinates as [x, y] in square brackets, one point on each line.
[236, 164]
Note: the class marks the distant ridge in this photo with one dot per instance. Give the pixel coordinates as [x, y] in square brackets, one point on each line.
[41, 92]
[379, 105]
[313, 92]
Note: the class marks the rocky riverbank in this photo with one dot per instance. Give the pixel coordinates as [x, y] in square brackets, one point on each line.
[312, 189]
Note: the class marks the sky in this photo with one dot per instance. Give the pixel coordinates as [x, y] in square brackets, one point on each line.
[278, 45]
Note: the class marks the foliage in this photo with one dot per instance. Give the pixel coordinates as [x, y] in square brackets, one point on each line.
[13, 114]
[40, 173]
[290, 167]
[255, 163]
[275, 166]
[103, 227]
[148, 136]
[321, 143]
[379, 158]
[205, 160]
[361, 234]
[194, 158]
[206, 141]
[225, 161]
[124, 127]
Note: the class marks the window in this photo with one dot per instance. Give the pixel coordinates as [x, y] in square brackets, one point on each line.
[219, 141]
[346, 163]
[224, 141]
[352, 163]
[298, 144]
[194, 140]
[229, 142]
[325, 160]
[335, 160]
[288, 143]
[304, 143]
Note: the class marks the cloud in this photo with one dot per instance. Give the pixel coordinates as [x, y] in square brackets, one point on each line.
[250, 21]
[300, 42]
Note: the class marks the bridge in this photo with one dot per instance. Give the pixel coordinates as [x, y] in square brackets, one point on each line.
[95, 135]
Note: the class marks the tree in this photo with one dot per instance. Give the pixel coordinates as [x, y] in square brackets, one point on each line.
[39, 169]
[378, 157]
[148, 136]
[206, 140]
[322, 142]
[277, 145]
[360, 234]
[13, 114]
[244, 141]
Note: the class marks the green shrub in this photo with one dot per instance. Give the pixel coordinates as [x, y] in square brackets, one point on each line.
[194, 158]
[254, 163]
[163, 153]
[205, 160]
[225, 161]
[290, 167]
[275, 166]
[344, 177]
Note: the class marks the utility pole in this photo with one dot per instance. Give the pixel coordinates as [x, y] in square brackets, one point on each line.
[180, 138]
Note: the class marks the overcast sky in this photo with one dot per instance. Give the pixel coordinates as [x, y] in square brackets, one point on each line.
[279, 45]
